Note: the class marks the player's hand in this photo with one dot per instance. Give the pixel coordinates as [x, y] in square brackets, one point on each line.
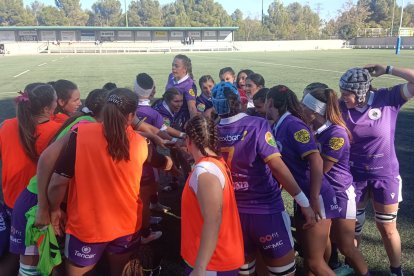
[42, 219]
[316, 207]
[309, 216]
[376, 70]
[58, 221]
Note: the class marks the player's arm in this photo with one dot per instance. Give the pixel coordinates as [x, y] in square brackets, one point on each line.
[404, 73]
[192, 108]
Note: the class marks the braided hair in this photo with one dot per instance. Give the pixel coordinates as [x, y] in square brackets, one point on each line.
[203, 132]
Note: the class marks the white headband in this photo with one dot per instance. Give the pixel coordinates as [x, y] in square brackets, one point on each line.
[314, 104]
[141, 91]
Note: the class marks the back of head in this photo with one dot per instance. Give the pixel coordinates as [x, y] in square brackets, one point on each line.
[187, 64]
[121, 102]
[257, 79]
[109, 86]
[313, 86]
[170, 93]
[358, 81]
[31, 103]
[95, 101]
[64, 89]
[332, 111]
[285, 100]
[261, 94]
[203, 132]
[143, 85]
[226, 99]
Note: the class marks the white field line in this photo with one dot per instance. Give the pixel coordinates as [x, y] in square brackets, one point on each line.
[21, 73]
[42, 64]
[3, 93]
[306, 68]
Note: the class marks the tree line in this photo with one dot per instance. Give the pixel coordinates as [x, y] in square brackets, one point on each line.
[292, 21]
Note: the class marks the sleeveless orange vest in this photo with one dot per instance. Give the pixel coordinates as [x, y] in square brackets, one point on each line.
[229, 252]
[18, 168]
[103, 198]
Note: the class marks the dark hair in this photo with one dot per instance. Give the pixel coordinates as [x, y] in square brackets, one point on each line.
[226, 70]
[261, 94]
[168, 95]
[187, 64]
[64, 90]
[145, 81]
[204, 79]
[109, 86]
[248, 72]
[256, 79]
[234, 103]
[203, 132]
[284, 100]
[38, 96]
[121, 102]
[333, 112]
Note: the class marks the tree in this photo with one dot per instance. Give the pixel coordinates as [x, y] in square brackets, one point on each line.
[73, 12]
[51, 16]
[12, 13]
[278, 21]
[105, 13]
[352, 18]
[35, 8]
[145, 13]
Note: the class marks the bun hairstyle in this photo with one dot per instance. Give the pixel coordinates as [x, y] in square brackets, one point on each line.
[120, 103]
[203, 132]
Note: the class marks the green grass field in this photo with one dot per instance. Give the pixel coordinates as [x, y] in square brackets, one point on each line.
[294, 69]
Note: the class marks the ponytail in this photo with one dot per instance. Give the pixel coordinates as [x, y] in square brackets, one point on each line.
[120, 103]
[333, 112]
[30, 104]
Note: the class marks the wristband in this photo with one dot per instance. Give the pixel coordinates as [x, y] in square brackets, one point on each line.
[301, 200]
[182, 135]
[174, 140]
[388, 70]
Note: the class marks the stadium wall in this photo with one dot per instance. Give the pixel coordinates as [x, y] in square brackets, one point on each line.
[381, 42]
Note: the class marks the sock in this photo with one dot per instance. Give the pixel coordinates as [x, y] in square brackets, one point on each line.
[396, 270]
[334, 262]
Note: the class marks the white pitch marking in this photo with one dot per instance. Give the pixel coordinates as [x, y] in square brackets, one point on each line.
[21, 73]
[42, 64]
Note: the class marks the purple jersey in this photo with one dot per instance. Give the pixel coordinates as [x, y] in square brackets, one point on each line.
[333, 143]
[168, 117]
[203, 103]
[373, 133]
[146, 113]
[247, 144]
[295, 142]
[187, 88]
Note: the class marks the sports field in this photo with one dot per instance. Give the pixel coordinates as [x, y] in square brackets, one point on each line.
[294, 69]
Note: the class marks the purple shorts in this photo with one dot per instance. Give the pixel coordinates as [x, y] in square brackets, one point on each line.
[270, 234]
[383, 191]
[24, 202]
[5, 225]
[189, 269]
[346, 203]
[85, 254]
[328, 205]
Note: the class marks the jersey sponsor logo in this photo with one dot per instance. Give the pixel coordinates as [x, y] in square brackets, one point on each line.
[84, 253]
[336, 143]
[375, 114]
[86, 249]
[191, 92]
[302, 136]
[201, 107]
[269, 139]
[241, 185]
[269, 237]
[230, 138]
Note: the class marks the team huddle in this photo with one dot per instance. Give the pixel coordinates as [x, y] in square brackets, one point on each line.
[79, 185]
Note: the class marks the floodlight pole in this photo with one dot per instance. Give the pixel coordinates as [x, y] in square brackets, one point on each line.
[397, 51]
[262, 12]
[126, 14]
[392, 21]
